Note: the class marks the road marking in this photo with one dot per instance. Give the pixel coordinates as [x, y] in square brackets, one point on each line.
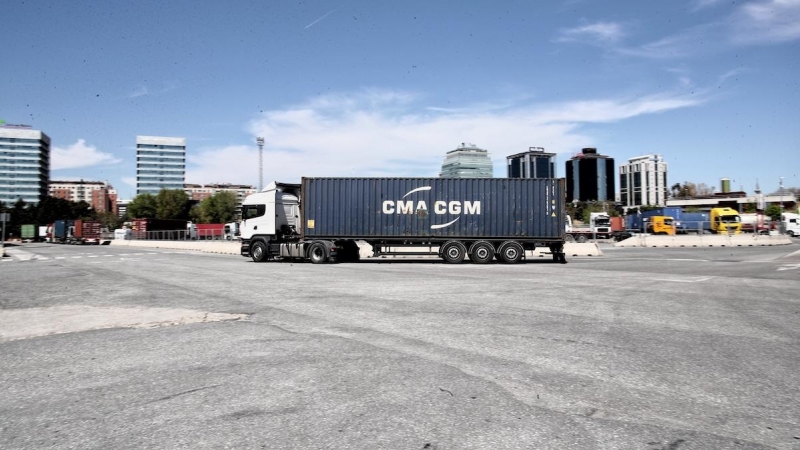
[75, 257]
[94, 256]
[789, 267]
[685, 280]
[108, 255]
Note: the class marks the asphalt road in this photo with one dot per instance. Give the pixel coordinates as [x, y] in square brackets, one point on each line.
[109, 347]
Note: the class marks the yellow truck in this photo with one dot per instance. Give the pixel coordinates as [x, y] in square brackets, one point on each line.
[661, 225]
[725, 221]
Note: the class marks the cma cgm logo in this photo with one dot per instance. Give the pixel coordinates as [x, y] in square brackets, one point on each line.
[440, 207]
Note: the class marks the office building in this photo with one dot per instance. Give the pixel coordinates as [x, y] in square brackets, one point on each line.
[100, 195]
[534, 163]
[590, 177]
[643, 181]
[467, 161]
[160, 164]
[24, 164]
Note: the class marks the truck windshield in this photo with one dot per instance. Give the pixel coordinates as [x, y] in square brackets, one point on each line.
[668, 221]
[602, 222]
[729, 219]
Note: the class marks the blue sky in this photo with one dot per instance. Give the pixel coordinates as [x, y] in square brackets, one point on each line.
[373, 88]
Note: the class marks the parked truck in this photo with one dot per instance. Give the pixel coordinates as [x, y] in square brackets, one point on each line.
[755, 223]
[790, 223]
[651, 224]
[85, 232]
[231, 231]
[321, 219]
[162, 229]
[725, 221]
[60, 233]
[599, 227]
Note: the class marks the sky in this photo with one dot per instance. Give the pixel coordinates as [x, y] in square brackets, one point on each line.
[376, 88]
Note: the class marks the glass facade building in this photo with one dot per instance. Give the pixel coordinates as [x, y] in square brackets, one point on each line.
[590, 177]
[24, 164]
[643, 182]
[534, 163]
[467, 161]
[160, 164]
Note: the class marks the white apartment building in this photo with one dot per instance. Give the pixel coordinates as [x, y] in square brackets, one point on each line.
[643, 181]
[24, 164]
[160, 163]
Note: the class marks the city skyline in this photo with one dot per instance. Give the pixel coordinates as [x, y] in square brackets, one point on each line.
[362, 89]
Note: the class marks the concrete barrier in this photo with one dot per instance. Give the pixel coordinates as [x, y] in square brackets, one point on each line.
[704, 240]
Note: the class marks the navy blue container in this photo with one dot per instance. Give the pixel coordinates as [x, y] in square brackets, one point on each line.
[433, 208]
[61, 228]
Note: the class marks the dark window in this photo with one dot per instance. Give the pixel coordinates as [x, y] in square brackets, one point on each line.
[253, 211]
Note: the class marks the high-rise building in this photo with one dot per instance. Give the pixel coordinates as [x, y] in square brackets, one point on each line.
[643, 181]
[160, 164]
[534, 163]
[467, 161]
[590, 177]
[99, 194]
[24, 164]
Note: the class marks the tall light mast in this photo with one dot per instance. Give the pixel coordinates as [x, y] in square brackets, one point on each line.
[260, 142]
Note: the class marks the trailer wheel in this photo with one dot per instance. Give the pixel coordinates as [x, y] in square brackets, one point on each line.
[481, 252]
[511, 252]
[317, 253]
[569, 238]
[581, 239]
[258, 251]
[454, 252]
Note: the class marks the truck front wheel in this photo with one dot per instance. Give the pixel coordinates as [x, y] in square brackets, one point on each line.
[317, 253]
[581, 239]
[258, 251]
[569, 238]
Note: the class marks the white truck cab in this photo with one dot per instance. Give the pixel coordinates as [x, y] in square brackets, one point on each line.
[791, 224]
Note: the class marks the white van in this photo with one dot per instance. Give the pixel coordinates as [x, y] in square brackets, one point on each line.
[791, 224]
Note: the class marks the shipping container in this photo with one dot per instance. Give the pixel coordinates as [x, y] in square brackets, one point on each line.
[29, 232]
[322, 218]
[87, 231]
[61, 230]
[210, 230]
[440, 208]
[160, 229]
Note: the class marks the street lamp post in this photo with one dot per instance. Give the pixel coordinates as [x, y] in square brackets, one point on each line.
[780, 188]
[260, 142]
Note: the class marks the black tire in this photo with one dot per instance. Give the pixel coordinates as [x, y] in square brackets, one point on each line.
[569, 238]
[481, 252]
[581, 238]
[258, 251]
[511, 252]
[317, 253]
[454, 252]
[790, 233]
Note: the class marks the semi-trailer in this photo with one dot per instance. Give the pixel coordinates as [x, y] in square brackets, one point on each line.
[321, 219]
[162, 229]
[29, 232]
[85, 232]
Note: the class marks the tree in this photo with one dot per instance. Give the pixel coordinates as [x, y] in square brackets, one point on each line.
[749, 207]
[685, 190]
[172, 204]
[143, 206]
[219, 208]
[773, 211]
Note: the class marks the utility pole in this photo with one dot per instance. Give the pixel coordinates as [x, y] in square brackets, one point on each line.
[780, 188]
[260, 142]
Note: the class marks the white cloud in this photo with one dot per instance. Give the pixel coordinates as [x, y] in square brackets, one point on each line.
[141, 91]
[384, 135]
[79, 155]
[769, 21]
[599, 32]
[703, 4]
